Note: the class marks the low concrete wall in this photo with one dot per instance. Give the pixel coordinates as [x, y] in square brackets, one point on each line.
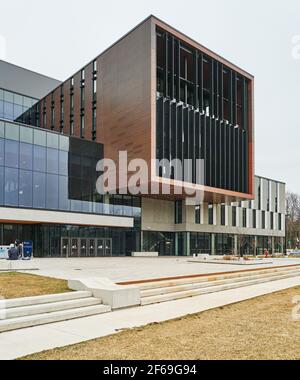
[144, 254]
[117, 296]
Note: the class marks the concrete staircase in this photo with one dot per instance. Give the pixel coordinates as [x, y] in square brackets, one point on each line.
[169, 290]
[32, 311]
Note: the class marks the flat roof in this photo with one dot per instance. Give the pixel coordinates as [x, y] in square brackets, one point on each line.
[270, 179]
[25, 82]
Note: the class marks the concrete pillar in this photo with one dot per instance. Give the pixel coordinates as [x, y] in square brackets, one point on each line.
[176, 243]
[272, 245]
[188, 249]
[236, 245]
[213, 246]
[255, 245]
[142, 241]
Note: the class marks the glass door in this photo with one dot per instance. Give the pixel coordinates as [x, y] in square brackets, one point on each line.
[83, 247]
[65, 245]
[74, 247]
[108, 250]
[100, 247]
[91, 247]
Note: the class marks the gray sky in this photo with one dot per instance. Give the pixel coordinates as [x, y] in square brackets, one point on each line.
[58, 37]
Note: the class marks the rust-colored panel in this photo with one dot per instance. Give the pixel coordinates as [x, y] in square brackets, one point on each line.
[48, 111]
[57, 105]
[88, 101]
[124, 96]
[251, 138]
[77, 104]
[66, 129]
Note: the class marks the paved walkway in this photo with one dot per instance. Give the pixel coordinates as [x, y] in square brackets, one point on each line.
[18, 343]
[131, 268]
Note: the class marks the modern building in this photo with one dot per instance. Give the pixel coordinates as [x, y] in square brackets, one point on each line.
[155, 94]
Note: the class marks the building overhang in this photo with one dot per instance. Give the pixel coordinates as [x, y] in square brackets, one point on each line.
[33, 216]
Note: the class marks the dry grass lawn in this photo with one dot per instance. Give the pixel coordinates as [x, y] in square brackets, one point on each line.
[16, 285]
[261, 328]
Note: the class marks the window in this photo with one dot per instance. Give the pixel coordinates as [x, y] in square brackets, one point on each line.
[259, 196]
[95, 66]
[279, 222]
[254, 218]
[62, 109]
[160, 39]
[271, 220]
[72, 103]
[178, 212]
[268, 197]
[226, 94]
[82, 93]
[234, 216]
[94, 126]
[82, 126]
[71, 127]
[198, 214]
[95, 81]
[276, 198]
[223, 215]
[52, 117]
[210, 214]
[263, 220]
[244, 217]
[206, 74]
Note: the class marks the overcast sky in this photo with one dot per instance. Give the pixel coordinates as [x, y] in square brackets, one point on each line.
[58, 37]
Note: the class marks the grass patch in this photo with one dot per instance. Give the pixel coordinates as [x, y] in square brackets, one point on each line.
[16, 285]
[260, 328]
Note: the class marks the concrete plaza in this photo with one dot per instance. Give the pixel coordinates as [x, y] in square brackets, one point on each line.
[130, 268]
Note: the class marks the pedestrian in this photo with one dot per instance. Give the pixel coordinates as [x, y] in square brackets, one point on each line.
[20, 249]
[13, 253]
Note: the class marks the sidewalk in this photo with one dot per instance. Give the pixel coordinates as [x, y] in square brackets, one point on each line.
[19, 343]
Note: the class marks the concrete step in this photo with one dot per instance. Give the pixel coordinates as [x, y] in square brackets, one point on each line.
[49, 307]
[209, 278]
[197, 285]
[57, 316]
[212, 289]
[37, 300]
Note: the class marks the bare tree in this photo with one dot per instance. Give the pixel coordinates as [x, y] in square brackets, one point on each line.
[293, 219]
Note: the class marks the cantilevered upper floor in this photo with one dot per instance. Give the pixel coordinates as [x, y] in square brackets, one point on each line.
[158, 94]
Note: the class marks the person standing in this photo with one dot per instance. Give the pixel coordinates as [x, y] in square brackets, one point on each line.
[19, 246]
[13, 253]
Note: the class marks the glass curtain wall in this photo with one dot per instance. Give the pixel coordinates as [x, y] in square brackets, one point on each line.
[13, 105]
[45, 170]
[205, 103]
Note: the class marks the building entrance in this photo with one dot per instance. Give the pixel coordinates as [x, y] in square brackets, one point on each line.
[86, 247]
